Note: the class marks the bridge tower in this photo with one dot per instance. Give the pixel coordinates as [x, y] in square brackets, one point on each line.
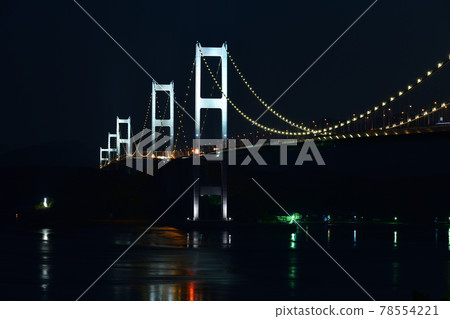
[119, 139]
[103, 159]
[211, 103]
[111, 150]
[169, 88]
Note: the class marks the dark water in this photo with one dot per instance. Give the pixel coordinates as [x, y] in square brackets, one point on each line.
[392, 262]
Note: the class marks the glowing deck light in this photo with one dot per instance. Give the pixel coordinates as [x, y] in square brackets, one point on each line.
[45, 202]
[354, 236]
[419, 80]
[439, 65]
[395, 238]
[409, 87]
[395, 218]
[429, 73]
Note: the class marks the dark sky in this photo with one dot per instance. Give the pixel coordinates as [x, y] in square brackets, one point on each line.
[63, 79]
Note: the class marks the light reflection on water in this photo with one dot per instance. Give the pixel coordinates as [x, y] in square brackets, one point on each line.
[395, 238]
[45, 248]
[329, 237]
[185, 291]
[395, 274]
[171, 264]
[45, 232]
[293, 240]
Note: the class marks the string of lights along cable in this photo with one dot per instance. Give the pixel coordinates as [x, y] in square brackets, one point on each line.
[266, 128]
[354, 118]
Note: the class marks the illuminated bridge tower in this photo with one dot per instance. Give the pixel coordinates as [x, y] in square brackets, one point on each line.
[211, 103]
[163, 122]
[111, 150]
[119, 137]
[103, 159]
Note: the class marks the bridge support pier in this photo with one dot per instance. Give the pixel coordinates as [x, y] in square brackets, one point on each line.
[217, 190]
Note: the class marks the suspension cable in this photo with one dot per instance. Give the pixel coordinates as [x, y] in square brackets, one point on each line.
[354, 118]
[266, 128]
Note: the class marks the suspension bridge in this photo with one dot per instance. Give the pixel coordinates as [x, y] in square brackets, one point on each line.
[378, 120]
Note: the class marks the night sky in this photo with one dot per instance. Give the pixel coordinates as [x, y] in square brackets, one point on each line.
[64, 81]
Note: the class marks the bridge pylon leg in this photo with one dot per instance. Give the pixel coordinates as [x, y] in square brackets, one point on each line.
[111, 150]
[211, 103]
[169, 123]
[119, 137]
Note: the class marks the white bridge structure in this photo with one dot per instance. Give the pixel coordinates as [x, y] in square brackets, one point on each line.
[118, 140]
[374, 121]
[211, 103]
[162, 122]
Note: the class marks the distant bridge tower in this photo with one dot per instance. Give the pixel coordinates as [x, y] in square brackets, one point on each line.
[162, 122]
[119, 137]
[211, 103]
[103, 159]
[111, 150]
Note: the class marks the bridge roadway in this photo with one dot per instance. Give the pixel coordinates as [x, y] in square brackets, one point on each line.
[438, 128]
